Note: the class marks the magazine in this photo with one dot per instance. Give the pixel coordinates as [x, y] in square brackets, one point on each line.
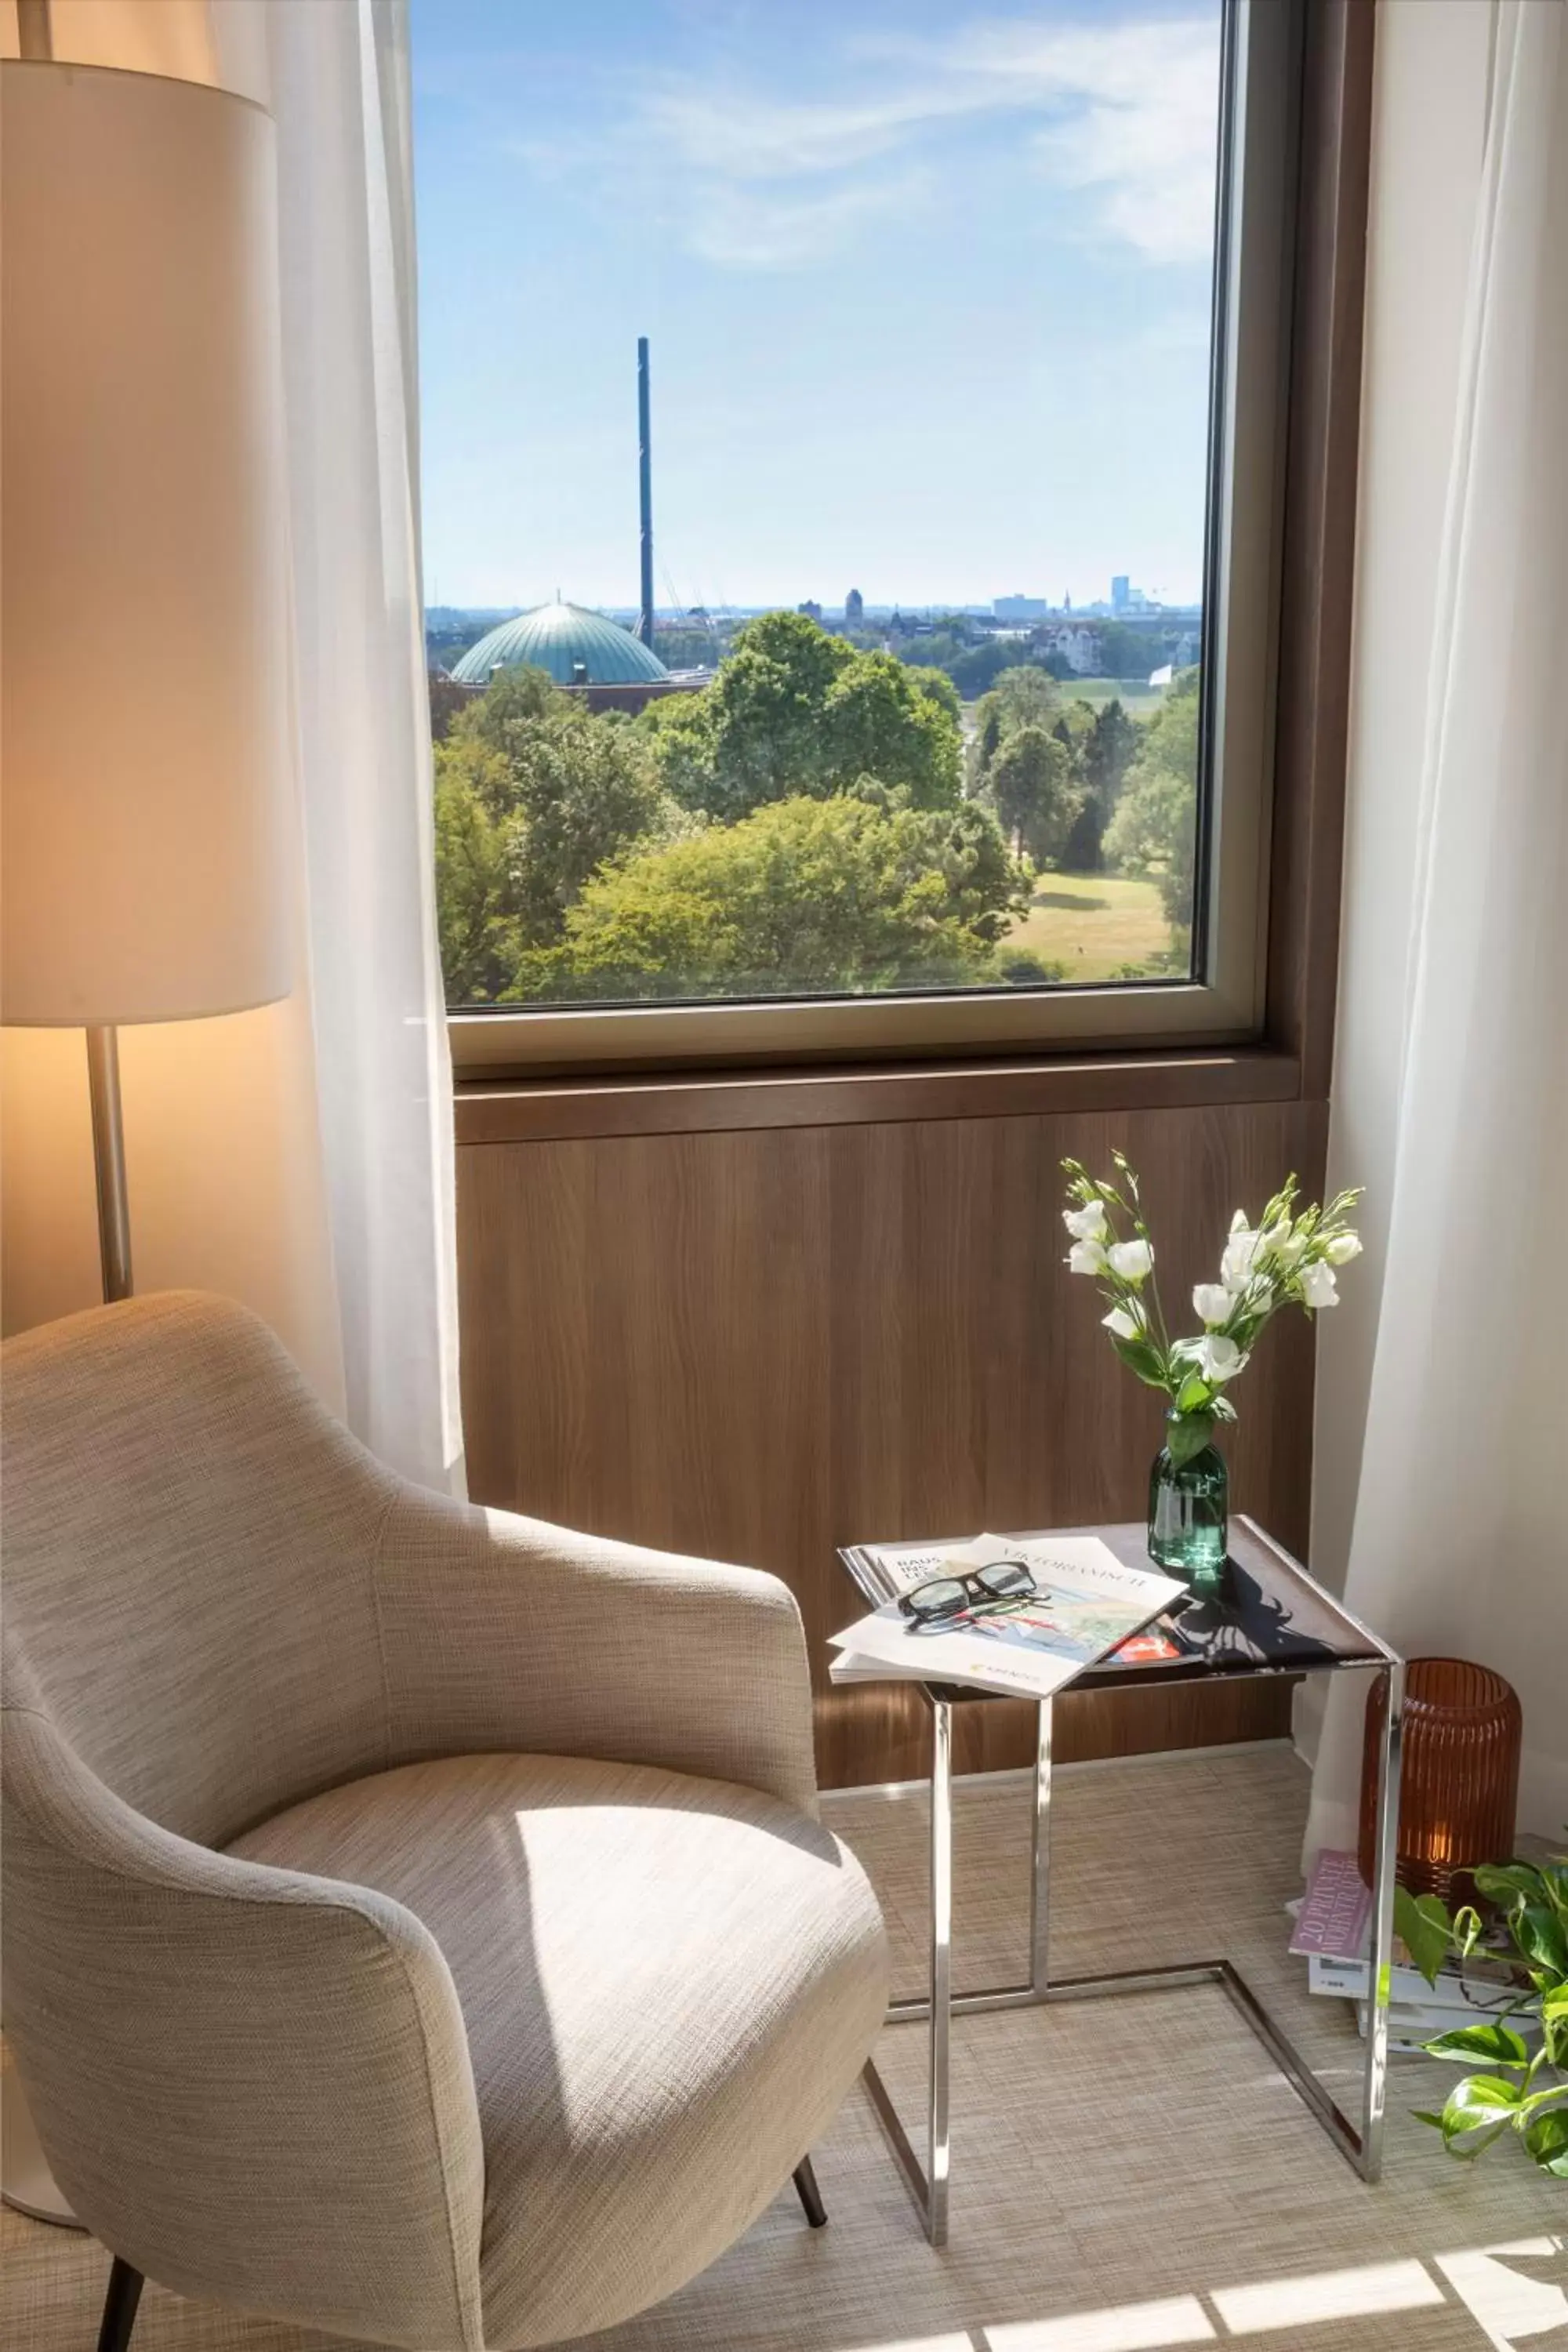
[1333, 1934]
[1335, 1909]
[1082, 1604]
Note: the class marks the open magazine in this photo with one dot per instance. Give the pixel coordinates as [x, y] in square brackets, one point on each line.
[1076, 1602]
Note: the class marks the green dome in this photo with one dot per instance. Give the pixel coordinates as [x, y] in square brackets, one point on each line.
[566, 640]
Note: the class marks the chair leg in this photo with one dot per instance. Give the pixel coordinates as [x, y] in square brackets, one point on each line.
[120, 2307]
[816, 2211]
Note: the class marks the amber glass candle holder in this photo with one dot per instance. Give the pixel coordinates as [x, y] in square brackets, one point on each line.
[1459, 1779]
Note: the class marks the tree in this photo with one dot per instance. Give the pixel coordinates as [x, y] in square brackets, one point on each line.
[448, 699]
[474, 910]
[1129, 653]
[1107, 751]
[795, 710]
[1024, 696]
[767, 705]
[898, 724]
[852, 893]
[1155, 829]
[533, 793]
[1029, 784]
[1102, 742]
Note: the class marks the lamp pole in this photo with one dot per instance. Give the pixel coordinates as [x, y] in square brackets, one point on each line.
[35, 37]
[109, 1160]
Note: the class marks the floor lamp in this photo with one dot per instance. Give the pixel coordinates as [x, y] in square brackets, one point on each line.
[143, 810]
[144, 799]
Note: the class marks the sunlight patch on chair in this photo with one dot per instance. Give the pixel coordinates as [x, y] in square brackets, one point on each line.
[1325, 2295]
[1126, 2327]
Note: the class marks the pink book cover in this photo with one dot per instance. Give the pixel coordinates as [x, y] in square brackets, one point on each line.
[1333, 1919]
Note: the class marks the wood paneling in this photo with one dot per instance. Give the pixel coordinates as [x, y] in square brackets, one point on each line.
[757, 1346]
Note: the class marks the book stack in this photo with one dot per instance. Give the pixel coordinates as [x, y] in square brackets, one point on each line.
[1333, 1933]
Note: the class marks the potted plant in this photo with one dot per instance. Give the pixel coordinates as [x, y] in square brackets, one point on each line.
[1520, 2090]
[1288, 1257]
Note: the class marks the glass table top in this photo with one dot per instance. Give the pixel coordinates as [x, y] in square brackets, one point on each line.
[1270, 1618]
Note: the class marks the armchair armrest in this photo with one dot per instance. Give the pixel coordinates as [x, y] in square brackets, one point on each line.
[505, 1633]
[292, 2046]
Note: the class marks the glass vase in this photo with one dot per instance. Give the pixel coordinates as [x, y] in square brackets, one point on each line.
[1189, 1514]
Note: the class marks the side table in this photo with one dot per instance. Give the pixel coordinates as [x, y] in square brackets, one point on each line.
[1272, 1619]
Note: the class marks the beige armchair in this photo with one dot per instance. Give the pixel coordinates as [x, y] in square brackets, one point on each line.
[418, 1925]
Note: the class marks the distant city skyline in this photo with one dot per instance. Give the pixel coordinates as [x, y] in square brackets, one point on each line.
[927, 291]
[1102, 608]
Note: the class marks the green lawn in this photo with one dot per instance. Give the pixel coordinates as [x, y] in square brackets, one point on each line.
[1094, 924]
[1138, 701]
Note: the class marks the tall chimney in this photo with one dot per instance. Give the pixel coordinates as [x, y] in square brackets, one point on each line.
[645, 484]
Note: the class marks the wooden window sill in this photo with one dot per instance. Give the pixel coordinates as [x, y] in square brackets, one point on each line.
[540, 1110]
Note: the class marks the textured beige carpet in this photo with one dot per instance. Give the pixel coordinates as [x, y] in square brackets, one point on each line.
[1128, 2175]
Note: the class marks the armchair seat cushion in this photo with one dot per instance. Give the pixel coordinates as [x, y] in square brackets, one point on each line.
[666, 1982]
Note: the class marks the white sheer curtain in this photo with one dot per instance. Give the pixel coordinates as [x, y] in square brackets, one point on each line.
[300, 1158]
[339, 90]
[1456, 1491]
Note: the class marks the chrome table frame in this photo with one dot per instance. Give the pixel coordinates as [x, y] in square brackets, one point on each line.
[1360, 2143]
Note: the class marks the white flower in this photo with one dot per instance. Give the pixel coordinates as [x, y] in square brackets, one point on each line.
[1287, 1247]
[1087, 1257]
[1131, 1260]
[1212, 1302]
[1318, 1288]
[1342, 1248]
[1088, 1224]
[1238, 1223]
[1220, 1358]
[1240, 1259]
[1126, 1323]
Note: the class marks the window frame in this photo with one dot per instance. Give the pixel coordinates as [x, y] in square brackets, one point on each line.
[1261, 206]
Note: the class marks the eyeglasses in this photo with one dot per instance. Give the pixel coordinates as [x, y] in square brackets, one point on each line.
[949, 1596]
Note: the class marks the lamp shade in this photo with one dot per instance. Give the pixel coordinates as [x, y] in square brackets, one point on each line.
[144, 795]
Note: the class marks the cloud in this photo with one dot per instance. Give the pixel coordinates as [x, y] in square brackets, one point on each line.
[1133, 121]
[1124, 113]
[745, 227]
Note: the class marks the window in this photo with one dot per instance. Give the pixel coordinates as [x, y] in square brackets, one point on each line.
[850, 451]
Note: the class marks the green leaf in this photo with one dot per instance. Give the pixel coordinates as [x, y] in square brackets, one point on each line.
[1501, 2043]
[1478, 2109]
[1424, 2115]
[1469, 1929]
[1188, 1436]
[1501, 1881]
[1143, 1357]
[1423, 1925]
[1194, 1396]
[1554, 2023]
[1547, 2140]
[1541, 1937]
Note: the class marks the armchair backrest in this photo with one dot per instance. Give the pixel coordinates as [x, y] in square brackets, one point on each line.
[189, 1544]
[250, 2082]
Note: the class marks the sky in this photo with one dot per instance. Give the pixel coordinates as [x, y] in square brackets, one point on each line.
[927, 287]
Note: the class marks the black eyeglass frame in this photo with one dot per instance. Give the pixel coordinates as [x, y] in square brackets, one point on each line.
[970, 1591]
